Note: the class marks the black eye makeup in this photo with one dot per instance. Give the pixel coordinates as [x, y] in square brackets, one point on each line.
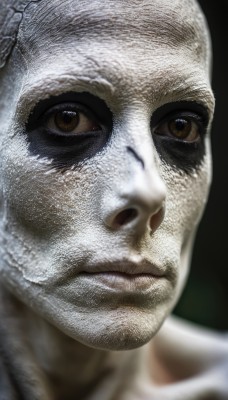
[179, 131]
[69, 128]
[76, 126]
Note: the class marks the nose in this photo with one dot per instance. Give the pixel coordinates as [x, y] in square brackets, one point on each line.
[139, 201]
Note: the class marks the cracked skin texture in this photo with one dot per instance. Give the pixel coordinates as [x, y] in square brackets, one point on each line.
[10, 19]
[36, 352]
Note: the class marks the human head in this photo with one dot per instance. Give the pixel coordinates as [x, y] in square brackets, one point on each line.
[126, 193]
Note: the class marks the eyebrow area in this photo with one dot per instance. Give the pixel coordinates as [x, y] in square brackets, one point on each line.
[50, 86]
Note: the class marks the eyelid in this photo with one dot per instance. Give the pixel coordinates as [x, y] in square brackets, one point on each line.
[184, 108]
[69, 107]
[90, 105]
[196, 134]
[184, 115]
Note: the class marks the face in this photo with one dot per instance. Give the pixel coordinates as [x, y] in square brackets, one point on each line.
[105, 164]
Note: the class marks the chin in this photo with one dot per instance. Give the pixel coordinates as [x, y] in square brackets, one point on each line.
[122, 329]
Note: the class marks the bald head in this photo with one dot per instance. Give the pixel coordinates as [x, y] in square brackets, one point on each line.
[128, 17]
[104, 123]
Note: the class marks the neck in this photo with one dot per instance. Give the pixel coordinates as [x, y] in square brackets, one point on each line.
[65, 368]
[72, 368]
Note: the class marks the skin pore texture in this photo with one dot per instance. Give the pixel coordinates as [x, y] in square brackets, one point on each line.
[100, 199]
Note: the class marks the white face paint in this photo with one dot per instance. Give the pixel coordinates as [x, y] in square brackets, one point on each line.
[83, 238]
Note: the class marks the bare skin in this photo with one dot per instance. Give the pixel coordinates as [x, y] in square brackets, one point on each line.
[182, 361]
[96, 243]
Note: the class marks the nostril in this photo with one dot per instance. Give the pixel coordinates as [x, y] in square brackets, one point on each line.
[124, 217]
[156, 219]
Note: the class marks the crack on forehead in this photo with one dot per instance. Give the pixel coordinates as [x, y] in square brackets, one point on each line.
[163, 21]
[11, 16]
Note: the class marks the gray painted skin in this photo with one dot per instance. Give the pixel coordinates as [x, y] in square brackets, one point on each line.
[95, 254]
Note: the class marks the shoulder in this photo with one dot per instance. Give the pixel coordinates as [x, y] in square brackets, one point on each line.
[196, 344]
[195, 356]
[194, 337]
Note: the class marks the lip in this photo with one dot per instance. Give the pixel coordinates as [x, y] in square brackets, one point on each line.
[126, 268]
[124, 276]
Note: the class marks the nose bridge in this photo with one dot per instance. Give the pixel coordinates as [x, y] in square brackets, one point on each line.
[140, 157]
[138, 191]
[144, 187]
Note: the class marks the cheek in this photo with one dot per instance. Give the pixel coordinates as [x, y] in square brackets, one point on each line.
[42, 208]
[186, 200]
[42, 199]
[187, 196]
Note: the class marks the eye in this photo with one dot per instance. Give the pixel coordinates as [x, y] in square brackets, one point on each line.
[187, 128]
[69, 128]
[69, 120]
[179, 134]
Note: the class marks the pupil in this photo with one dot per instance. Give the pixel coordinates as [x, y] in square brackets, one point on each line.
[180, 127]
[180, 124]
[67, 120]
[68, 116]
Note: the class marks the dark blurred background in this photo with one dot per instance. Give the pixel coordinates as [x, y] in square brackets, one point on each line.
[205, 299]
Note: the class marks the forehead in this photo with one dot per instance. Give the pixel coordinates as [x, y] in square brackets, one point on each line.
[116, 39]
[79, 16]
[167, 22]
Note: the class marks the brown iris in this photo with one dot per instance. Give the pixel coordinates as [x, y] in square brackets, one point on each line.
[183, 128]
[180, 127]
[66, 121]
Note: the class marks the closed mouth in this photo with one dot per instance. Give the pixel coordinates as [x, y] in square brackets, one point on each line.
[125, 268]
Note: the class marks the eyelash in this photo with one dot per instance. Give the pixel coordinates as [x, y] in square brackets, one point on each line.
[194, 119]
[69, 107]
[184, 115]
[66, 150]
[180, 154]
